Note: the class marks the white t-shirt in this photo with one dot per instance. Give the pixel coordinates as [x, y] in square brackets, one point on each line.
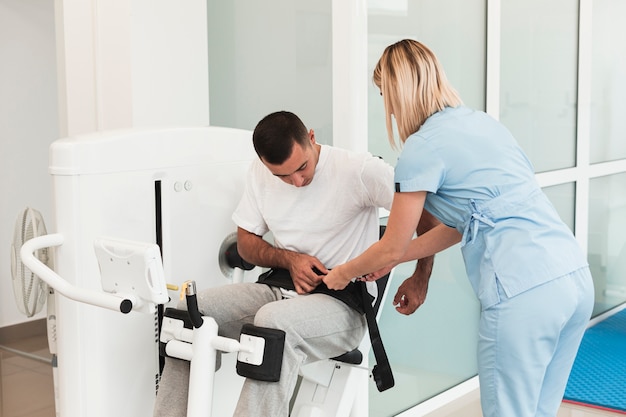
[334, 218]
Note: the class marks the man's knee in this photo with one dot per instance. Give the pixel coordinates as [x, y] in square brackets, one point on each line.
[271, 317]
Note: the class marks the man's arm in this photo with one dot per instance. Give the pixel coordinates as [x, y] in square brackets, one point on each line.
[257, 251]
[412, 292]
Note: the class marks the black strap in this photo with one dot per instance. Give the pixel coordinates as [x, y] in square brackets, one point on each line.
[351, 295]
[355, 295]
[382, 370]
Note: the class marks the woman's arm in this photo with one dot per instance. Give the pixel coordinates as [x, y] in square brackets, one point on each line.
[412, 292]
[435, 240]
[404, 216]
[427, 221]
[397, 244]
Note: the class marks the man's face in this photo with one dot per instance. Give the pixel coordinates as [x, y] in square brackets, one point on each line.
[299, 169]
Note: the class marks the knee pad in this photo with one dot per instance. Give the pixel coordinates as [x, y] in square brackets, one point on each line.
[173, 319]
[262, 356]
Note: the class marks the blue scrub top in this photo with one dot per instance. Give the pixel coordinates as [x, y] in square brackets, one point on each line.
[479, 181]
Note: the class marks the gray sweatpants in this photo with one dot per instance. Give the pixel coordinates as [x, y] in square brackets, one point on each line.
[317, 327]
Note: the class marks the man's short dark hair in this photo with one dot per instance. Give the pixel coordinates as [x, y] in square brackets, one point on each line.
[275, 135]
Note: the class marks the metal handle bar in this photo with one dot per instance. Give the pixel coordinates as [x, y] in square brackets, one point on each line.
[88, 296]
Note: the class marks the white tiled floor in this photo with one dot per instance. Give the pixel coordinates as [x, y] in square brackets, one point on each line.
[26, 388]
[469, 406]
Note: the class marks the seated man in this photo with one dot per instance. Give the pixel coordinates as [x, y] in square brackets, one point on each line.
[321, 205]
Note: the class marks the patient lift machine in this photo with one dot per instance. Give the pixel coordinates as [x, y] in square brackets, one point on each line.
[158, 201]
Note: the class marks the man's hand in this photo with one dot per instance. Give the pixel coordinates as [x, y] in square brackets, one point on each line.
[301, 268]
[259, 252]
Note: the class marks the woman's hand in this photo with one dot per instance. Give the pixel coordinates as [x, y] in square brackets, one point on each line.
[411, 294]
[373, 276]
[336, 280]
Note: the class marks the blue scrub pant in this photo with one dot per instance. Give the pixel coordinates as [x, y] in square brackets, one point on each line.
[528, 343]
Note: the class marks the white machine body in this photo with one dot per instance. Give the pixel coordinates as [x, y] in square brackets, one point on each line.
[176, 188]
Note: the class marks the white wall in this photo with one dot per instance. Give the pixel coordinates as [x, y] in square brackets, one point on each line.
[77, 66]
[28, 124]
[131, 63]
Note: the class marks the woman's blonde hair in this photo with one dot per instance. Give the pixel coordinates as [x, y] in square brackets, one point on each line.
[413, 85]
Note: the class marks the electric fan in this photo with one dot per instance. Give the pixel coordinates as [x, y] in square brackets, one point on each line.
[30, 290]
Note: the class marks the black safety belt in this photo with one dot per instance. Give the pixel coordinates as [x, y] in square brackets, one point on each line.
[355, 295]
[382, 370]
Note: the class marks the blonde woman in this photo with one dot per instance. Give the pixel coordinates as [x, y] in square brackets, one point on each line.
[524, 264]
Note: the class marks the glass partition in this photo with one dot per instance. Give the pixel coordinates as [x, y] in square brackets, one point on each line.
[281, 61]
[608, 66]
[563, 197]
[433, 349]
[272, 55]
[459, 41]
[538, 95]
[607, 241]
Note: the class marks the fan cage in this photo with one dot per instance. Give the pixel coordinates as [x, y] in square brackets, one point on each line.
[30, 291]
